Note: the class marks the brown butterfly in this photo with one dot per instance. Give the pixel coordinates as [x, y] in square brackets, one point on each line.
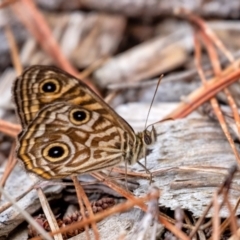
[68, 129]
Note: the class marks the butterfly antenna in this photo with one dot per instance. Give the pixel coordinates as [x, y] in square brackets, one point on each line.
[154, 95]
[145, 155]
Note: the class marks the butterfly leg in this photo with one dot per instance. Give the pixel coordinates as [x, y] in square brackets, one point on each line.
[126, 181]
[109, 174]
[147, 171]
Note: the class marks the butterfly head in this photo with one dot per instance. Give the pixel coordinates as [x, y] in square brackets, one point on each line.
[144, 139]
[149, 136]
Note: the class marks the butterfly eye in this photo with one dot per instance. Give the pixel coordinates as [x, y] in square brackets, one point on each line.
[49, 86]
[147, 137]
[56, 152]
[79, 116]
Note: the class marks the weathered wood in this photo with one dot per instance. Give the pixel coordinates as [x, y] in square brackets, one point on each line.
[167, 51]
[148, 59]
[126, 224]
[18, 183]
[191, 155]
[6, 82]
[83, 38]
[140, 8]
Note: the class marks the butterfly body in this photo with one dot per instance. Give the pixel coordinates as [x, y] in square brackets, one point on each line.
[67, 128]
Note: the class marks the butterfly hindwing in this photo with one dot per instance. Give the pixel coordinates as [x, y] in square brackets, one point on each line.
[64, 139]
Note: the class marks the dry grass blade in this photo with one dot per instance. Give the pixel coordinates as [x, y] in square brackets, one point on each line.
[93, 67]
[174, 221]
[36, 24]
[215, 219]
[217, 70]
[27, 216]
[205, 29]
[82, 196]
[217, 206]
[203, 94]
[179, 216]
[49, 214]
[13, 50]
[210, 38]
[7, 3]
[129, 196]
[31, 17]
[9, 204]
[184, 108]
[16, 62]
[111, 96]
[151, 216]
[232, 217]
[226, 222]
[80, 202]
[10, 129]
[224, 185]
[10, 165]
[130, 173]
[99, 216]
[117, 209]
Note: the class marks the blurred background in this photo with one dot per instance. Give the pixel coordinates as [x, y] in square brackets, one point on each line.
[120, 48]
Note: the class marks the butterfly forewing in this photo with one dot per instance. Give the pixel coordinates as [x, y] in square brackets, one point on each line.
[39, 86]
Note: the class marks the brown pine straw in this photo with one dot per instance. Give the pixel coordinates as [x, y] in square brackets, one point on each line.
[34, 21]
[195, 99]
[88, 207]
[9, 204]
[48, 213]
[118, 209]
[185, 108]
[215, 218]
[130, 173]
[99, 216]
[31, 17]
[227, 221]
[232, 217]
[81, 195]
[92, 67]
[12, 129]
[11, 162]
[210, 39]
[217, 70]
[201, 24]
[217, 207]
[223, 189]
[203, 94]
[6, 3]
[9, 129]
[14, 50]
[112, 184]
[231, 101]
[80, 202]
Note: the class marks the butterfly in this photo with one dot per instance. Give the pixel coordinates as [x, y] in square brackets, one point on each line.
[67, 129]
